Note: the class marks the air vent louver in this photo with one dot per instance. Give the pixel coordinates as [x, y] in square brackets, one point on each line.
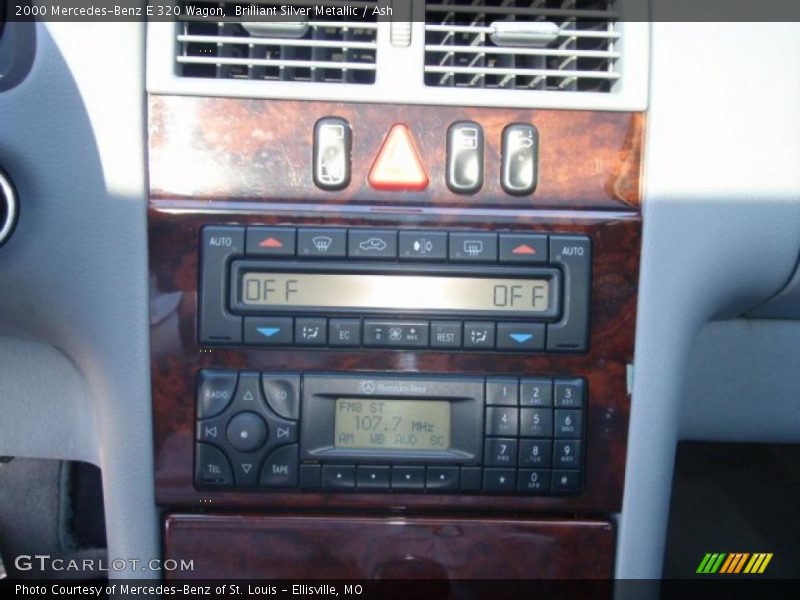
[469, 44]
[327, 51]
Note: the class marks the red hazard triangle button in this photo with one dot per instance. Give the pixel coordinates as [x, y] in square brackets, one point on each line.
[398, 165]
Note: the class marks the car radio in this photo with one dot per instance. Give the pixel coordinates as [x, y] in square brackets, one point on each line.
[395, 289]
[376, 433]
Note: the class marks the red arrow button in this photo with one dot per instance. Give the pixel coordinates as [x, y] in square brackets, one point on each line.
[523, 249]
[271, 243]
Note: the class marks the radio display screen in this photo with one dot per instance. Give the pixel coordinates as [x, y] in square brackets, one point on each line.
[380, 424]
[402, 292]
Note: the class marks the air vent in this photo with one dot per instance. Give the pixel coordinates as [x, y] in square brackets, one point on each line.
[554, 45]
[333, 50]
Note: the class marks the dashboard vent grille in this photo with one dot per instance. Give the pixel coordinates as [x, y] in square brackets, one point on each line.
[333, 50]
[471, 44]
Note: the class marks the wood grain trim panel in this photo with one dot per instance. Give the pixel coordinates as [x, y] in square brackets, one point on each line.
[260, 150]
[176, 356]
[348, 547]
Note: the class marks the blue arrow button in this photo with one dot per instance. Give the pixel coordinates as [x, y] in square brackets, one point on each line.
[520, 338]
[268, 331]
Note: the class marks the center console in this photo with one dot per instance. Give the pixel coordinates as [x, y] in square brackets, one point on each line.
[341, 345]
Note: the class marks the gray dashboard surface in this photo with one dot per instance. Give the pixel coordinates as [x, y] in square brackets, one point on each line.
[73, 307]
[721, 231]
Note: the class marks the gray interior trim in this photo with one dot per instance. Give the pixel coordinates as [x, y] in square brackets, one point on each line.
[74, 275]
[743, 383]
[721, 230]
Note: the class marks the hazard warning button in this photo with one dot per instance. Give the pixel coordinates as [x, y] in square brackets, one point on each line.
[523, 248]
[398, 166]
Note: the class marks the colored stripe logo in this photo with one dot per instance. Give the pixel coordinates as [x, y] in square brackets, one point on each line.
[734, 563]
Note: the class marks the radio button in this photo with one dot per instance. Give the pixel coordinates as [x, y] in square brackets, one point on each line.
[268, 331]
[502, 392]
[445, 334]
[531, 481]
[211, 467]
[310, 331]
[321, 243]
[344, 332]
[569, 424]
[371, 243]
[247, 432]
[570, 393]
[270, 241]
[442, 479]
[408, 478]
[373, 478]
[535, 453]
[479, 335]
[528, 248]
[280, 470]
[396, 334]
[536, 422]
[501, 421]
[282, 393]
[567, 454]
[499, 481]
[214, 392]
[536, 392]
[338, 478]
[500, 452]
[520, 336]
[423, 245]
[473, 247]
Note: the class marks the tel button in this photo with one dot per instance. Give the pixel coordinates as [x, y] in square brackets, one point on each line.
[280, 470]
[212, 468]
